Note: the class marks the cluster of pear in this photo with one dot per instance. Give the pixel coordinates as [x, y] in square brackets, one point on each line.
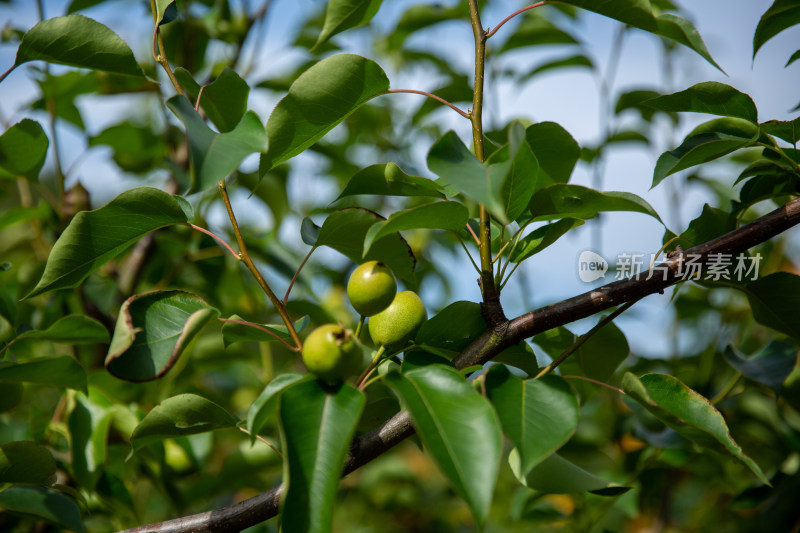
[332, 353]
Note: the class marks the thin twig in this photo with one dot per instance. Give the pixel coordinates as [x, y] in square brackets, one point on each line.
[296, 274]
[583, 338]
[265, 330]
[6, 73]
[511, 16]
[254, 271]
[219, 240]
[596, 382]
[464, 246]
[262, 439]
[429, 95]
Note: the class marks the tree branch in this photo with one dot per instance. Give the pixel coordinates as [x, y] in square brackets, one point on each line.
[370, 445]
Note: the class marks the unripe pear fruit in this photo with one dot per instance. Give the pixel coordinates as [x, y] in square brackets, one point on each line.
[398, 323]
[371, 288]
[331, 353]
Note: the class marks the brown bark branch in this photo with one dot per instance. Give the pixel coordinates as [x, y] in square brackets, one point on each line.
[370, 445]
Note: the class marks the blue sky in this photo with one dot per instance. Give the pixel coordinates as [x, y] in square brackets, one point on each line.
[569, 98]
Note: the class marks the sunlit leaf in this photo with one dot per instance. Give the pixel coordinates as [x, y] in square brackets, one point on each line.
[541, 238]
[342, 15]
[574, 201]
[184, 414]
[688, 413]
[77, 41]
[89, 424]
[389, 180]
[318, 423]
[457, 166]
[318, 100]
[345, 230]
[709, 97]
[459, 429]
[451, 216]
[788, 130]
[266, 405]
[95, 237]
[225, 100]
[215, 155]
[538, 415]
[152, 331]
[707, 142]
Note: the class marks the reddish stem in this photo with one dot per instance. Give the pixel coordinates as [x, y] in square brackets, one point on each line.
[296, 274]
[265, 330]
[606, 385]
[429, 95]
[512, 15]
[218, 239]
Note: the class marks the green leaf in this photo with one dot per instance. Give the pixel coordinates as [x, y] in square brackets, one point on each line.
[16, 215]
[709, 97]
[89, 424]
[535, 30]
[136, 148]
[43, 503]
[161, 9]
[707, 142]
[389, 180]
[457, 166]
[71, 329]
[450, 216]
[318, 424]
[519, 173]
[688, 413]
[794, 57]
[636, 99]
[636, 13]
[577, 60]
[598, 358]
[77, 41]
[309, 231]
[781, 15]
[452, 328]
[345, 231]
[63, 371]
[318, 100]
[459, 429]
[184, 414]
[266, 405]
[574, 201]
[771, 304]
[771, 366]
[555, 150]
[95, 237]
[225, 100]
[519, 356]
[342, 15]
[711, 223]
[683, 32]
[26, 462]
[788, 130]
[215, 155]
[23, 149]
[152, 331]
[421, 16]
[556, 475]
[232, 332]
[541, 238]
[538, 415]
